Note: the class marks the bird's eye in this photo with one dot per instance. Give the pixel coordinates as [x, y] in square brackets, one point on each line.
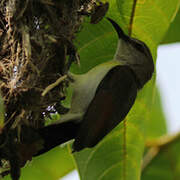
[141, 46]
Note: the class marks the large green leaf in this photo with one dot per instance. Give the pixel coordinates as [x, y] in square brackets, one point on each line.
[50, 166]
[97, 43]
[173, 34]
[119, 155]
[166, 165]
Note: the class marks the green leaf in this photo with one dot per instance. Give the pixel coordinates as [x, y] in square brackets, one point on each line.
[155, 123]
[119, 154]
[50, 166]
[116, 157]
[166, 165]
[151, 20]
[173, 33]
[147, 113]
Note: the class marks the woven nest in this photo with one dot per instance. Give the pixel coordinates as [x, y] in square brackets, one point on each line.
[36, 51]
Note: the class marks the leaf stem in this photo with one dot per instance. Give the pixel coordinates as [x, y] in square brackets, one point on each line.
[132, 17]
[124, 149]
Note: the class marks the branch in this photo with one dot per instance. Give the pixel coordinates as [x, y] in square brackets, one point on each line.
[156, 146]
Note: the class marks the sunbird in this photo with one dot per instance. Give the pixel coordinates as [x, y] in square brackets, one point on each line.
[102, 97]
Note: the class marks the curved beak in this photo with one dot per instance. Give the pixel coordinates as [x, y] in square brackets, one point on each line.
[118, 29]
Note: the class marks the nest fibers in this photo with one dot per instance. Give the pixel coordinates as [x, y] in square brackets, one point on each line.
[36, 50]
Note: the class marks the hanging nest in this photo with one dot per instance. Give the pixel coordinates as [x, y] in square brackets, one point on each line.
[36, 40]
[36, 51]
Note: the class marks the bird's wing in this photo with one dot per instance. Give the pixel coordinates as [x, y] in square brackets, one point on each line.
[113, 99]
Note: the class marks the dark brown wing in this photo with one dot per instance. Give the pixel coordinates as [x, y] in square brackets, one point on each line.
[114, 98]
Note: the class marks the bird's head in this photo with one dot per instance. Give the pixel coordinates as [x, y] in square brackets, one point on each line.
[135, 54]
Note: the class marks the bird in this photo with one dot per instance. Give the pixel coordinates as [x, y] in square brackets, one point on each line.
[102, 97]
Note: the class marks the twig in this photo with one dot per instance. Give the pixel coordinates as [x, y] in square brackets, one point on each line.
[53, 85]
[157, 145]
[152, 152]
[163, 141]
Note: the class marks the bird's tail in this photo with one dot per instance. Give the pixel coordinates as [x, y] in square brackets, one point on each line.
[56, 134]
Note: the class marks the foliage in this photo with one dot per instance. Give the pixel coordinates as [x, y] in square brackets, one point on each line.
[173, 33]
[163, 159]
[120, 154]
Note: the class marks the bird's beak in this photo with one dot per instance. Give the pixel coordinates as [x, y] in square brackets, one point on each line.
[118, 29]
